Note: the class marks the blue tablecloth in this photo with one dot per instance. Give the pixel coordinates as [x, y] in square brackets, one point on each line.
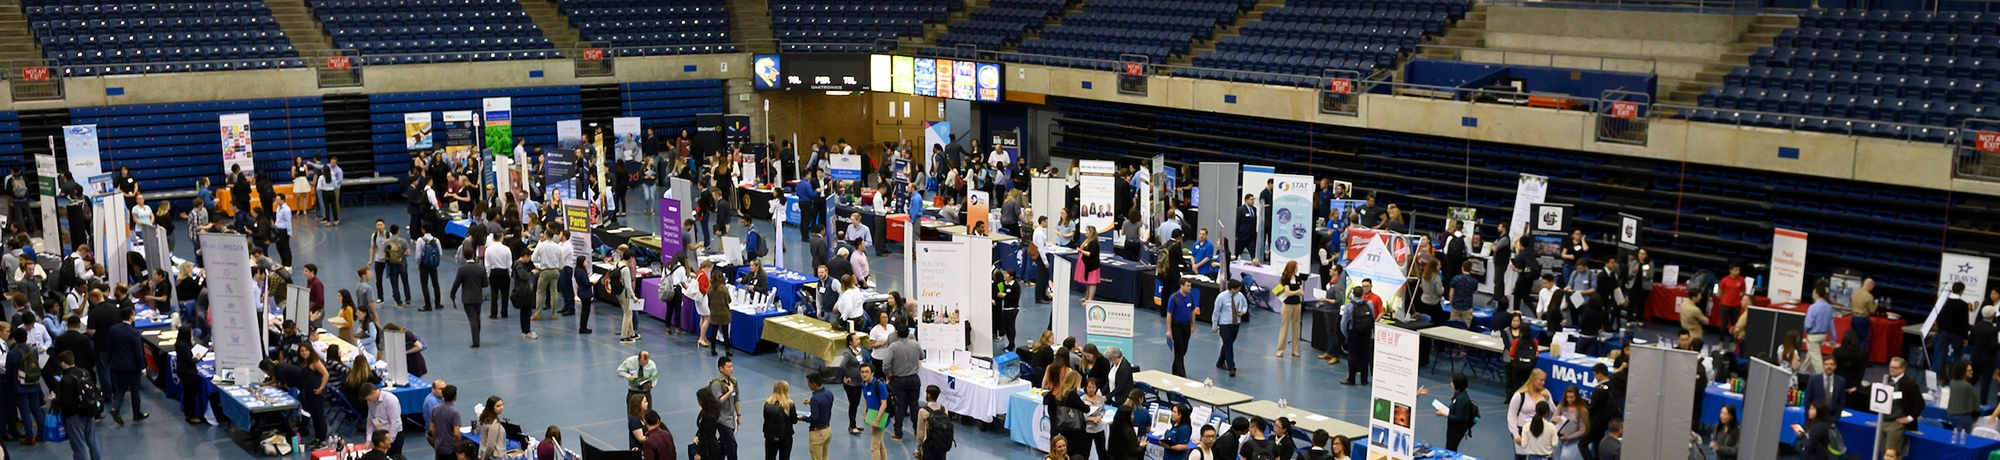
[459, 227]
[143, 319]
[412, 397]
[1934, 416]
[473, 435]
[1359, 450]
[785, 284]
[1928, 443]
[746, 329]
[1026, 419]
[1564, 374]
[1121, 280]
[238, 401]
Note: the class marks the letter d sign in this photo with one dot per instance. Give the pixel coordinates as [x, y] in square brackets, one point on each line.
[1881, 398]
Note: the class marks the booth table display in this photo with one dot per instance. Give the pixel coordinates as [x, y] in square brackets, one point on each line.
[876, 220]
[974, 394]
[747, 325]
[805, 334]
[242, 404]
[1194, 391]
[473, 435]
[412, 396]
[1122, 281]
[1564, 373]
[785, 284]
[1928, 443]
[1885, 336]
[649, 291]
[1027, 420]
[1266, 277]
[1663, 303]
[615, 237]
[1719, 395]
[760, 199]
[225, 202]
[1360, 450]
[1269, 410]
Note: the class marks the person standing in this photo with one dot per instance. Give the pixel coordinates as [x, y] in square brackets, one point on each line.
[1463, 287]
[1007, 299]
[396, 270]
[1819, 324]
[1909, 405]
[1962, 406]
[79, 417]
[1828, 386]
[1358, 322]
[472, 279]
[640, 374]
[818, 418]
[1953, 325]
[430, 252]
[1327, 314]
[329, 192]
[729, 416]
[442, 430]
[779, 415]
[378, 250]
[128, 363]
[498, 258]
[1292, 285]
[1459, 414]
[549, 260]
[1226, 319]
[1536, 438]
[876, 396]
[904, 359]
[1861, 305]
[385, 416]
[1180, 325]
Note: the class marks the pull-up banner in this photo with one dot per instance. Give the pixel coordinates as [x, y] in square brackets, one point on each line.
[499, 124]
[236, 148]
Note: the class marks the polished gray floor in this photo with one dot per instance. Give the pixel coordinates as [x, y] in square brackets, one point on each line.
[568, 380]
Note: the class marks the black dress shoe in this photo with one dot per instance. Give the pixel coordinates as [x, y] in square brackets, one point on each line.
[141, 416]
[583, 331]
[1348, 382]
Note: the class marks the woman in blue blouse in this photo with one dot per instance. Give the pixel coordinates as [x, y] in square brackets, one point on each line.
[1176, 440]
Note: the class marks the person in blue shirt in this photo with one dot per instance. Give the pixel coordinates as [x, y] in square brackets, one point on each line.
[875, 394]
[1180, 319]
[806, 196]
[752, 241]
[1175, 442]
[1205, 261]
[1228, 316]
[1819, 323]
[819, 418]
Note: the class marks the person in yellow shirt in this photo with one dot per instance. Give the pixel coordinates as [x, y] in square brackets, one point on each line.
[1692, 317]
[1862, 304]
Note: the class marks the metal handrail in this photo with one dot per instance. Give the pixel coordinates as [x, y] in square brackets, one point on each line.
[1697, 6]
[1910, 129]
[1652, 65]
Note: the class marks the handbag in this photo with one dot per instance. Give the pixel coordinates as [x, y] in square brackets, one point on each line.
[53, 429]
[1064, 418]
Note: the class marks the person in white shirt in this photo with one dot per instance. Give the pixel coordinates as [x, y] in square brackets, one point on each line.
[851, 302]
[857, 231]
[549, 259]
[329, 191]
[1549, 297]
[880, 336]
[498, 259]
[281, 218]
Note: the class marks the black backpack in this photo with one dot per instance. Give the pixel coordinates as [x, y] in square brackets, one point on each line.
[938, 431]
[1364, 317]
[80, 394]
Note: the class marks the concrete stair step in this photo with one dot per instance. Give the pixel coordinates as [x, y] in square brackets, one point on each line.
[553, 23]
[300, 26]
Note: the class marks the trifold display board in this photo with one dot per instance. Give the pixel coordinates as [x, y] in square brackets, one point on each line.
[1764, 398]
[952, 277]
[1219, 199]
[1764, 329]
[1660, 387]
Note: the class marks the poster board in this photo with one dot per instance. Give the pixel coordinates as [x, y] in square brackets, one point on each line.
[1393, 399]
[1961, 268]
[1291, 220]
[237, 317]
[499, 116]
[845, 167]
[1788, 266]
[1107, 324]
[1094, 194]
[1528, 191]
[978, 207]
[80, 144]
[417, 133]
[399, 363]
[458, 133]
[576, 216]
[237, 150]
[45, 181]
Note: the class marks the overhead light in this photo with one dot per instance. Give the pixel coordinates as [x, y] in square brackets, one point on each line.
[839, 93]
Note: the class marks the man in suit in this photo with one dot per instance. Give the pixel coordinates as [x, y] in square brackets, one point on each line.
[1909, 405]
[128, 360]
[1614, 441]
[1121, 373]
[1827, 387]
[1605, 402]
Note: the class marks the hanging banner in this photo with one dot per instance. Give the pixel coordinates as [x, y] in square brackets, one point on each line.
[576, 215]
[45, 179]
[236, 149]
[1392, 416]
[977, 209]
[569, 134]
[81, 141]
[1291, 220]
[1094, 193]
[417, 131]
[1628, 231]
[458, 135]
[1961, 268]
[628, 133]
[499, 124]
[235, 306]
[1788, 266]
[559, 172]
[670, 228]
[845, 166]
[1530, 191]
[1108, 324]
[1384, 270]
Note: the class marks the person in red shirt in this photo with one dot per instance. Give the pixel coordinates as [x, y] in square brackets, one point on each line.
[1730, 296]
[1368, 286]
[659, 443]
[316, 295]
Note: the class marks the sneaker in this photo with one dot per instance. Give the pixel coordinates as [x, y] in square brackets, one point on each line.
[629, 339]
[530, 336]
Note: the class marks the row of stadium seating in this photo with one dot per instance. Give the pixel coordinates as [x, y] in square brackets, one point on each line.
[1982, 90]
[852, 25]
[119, 26]
[1902, 21]
[117, 38]
[1973, 45]
[1916, 111]
[1308, 37]
[1001, 22]
[467, 30]
[407, 6]
[149, 40]
[1113, 29]
[661, 27]
[146, 11]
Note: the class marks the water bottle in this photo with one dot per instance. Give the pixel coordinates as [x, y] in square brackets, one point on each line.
[1282, 407]
[1207, 384]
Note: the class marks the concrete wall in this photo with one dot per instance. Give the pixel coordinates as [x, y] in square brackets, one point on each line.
[1678, 50]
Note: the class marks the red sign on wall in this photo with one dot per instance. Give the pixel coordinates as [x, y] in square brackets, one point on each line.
[1988, 141]
[1134, 69]
[1624, 109]
[593, 54]
[35, 73]
[1340, 86]
[339, 63]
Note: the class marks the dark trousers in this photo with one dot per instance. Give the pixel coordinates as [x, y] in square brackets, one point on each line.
[584, 302]
[498, 281]
[472, 318]
[1227, 359]
[124, 382]
[1182, 332]
[381, 267]
[284, 241]
[718, 335]
[725, 444]
[427, 280]
[192, 403]
[778, 447]
[1859, 326]
[568, 291]
[1453, 433]
[28, 403]
[1358, 356]
[399, 282]
[329, 205]
[905, 390]
[1007, 322]
[853, 403]
[315, 407]
[527, 305]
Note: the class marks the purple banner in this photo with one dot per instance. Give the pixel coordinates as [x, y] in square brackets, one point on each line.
[670, 227]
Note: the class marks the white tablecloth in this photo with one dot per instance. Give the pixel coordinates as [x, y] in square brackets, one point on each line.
[978, 398]
[1267, 277]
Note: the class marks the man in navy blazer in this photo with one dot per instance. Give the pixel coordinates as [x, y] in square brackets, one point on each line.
[128, 362]
[1827, 387]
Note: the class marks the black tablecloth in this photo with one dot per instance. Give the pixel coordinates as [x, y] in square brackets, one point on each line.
[760, 200]
[878, 226]
[1121, 281]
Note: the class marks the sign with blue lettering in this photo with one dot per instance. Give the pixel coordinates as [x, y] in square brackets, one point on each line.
[1564, 374]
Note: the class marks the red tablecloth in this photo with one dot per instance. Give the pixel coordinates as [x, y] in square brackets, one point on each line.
[896, 227]
[1885, 336]
[1664, 304]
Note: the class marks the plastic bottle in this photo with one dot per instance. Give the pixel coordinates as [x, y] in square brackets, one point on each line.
[1207, 385]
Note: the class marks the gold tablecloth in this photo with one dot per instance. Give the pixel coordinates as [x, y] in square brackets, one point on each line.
[803, 333]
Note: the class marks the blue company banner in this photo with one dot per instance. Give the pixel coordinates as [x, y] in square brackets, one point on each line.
[1291, 219]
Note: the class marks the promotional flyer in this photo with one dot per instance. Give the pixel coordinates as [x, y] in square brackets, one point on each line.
[458, 134]
[417, 131]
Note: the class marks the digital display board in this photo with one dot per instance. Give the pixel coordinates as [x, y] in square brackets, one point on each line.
[945, 78]
[880, 73]
[989, 82]
[825, 72]
[925, 77]
[964, 80]
[903, 72]
[947, 70]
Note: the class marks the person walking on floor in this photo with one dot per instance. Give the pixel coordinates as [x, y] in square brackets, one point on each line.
[640, 373]
[128, 365]
[876, 395]
[1180, 325]
[329, 192]
[1536, 439]
[523, 291]
[729, 415]
[79, 415]
[1291, 284]
[1359, 324]
[498, 259]
[472, 279]
[818, 418]
[1228, 317]
[905, 358]
[397, 268]
[659, 444]
[549, 260]
[934, 427]
[852, 362]
[430, 253]
[623, 282]
[779, 416]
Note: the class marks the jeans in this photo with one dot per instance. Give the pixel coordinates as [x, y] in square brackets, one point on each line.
[82, 433]
[1859, 326]
[399, 282]
[905, 390]
[427, 280]
[775, 447]
[28, 402]
[1181, 333]
[1943, 351]
[1227, 359]
[651, 198]
[124, 382]
[1964, 421]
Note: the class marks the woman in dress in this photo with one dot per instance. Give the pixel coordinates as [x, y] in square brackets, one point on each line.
[1087, 270]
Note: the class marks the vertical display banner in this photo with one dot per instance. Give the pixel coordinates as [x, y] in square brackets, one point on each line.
[1291, 220]
[941, 288]
[1531, 190]
[936, 133]
[499, 117]
[576, 215]
[399, 363]
[45, 179]
[1788, 265]
[1392, 414]
[1059, 310]
[109, 229]
[236, 148]
[1094, 194]
[81, 142]
[1961, 268]
[458, 140]
[845, 167]
[670, 228]
[1108, 324]
[417, 131]
[569, 134]
[1142, 184]
[559, 171]
[237, 319]
[736, 130]
[628, 131]
[978, 210]
[976, 269]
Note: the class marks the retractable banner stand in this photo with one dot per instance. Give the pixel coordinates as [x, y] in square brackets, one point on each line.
[499, 117]
[235, 308]
[576, 215]
[417, 131]
[1142, 183]
[458, 134]
[1788, 266]
[236, 147]
[936, 134]
[45, 178]
[1059, 286]
[81, 144]
[1094, 194]
[559, 173]
[628, 131]
[978, 207]
[1531, 190]
[399, 363]
[1046, 198]
[1961, 268]
[1392, 412]
[1291, 220]
[950, 278]
[1108, 324]
[670, 229]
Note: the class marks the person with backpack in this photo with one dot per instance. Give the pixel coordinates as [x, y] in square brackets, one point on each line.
[430, 254]
[80, 402]
[754, 246]
[25, 375]
[10, 361]
[397, 270]
[622, 281]
[1359, 323]
[1461, 415]
[935, 429]
[1818, 439]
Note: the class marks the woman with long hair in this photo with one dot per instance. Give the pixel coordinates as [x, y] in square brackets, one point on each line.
[1087, 270]
[1789, 352]
[1065, 398]
[345, 329]
[1536, 439]
[779, 416]
[707, 426]
[851, 362]
[1815, 438]
[1521, 409]
[1575, 424]
[1291, 285]
[636, 406]
[718, 317]
[492, 434]
[1123, 441]
[1723, 439]
[1058, 448]
[551, 446]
